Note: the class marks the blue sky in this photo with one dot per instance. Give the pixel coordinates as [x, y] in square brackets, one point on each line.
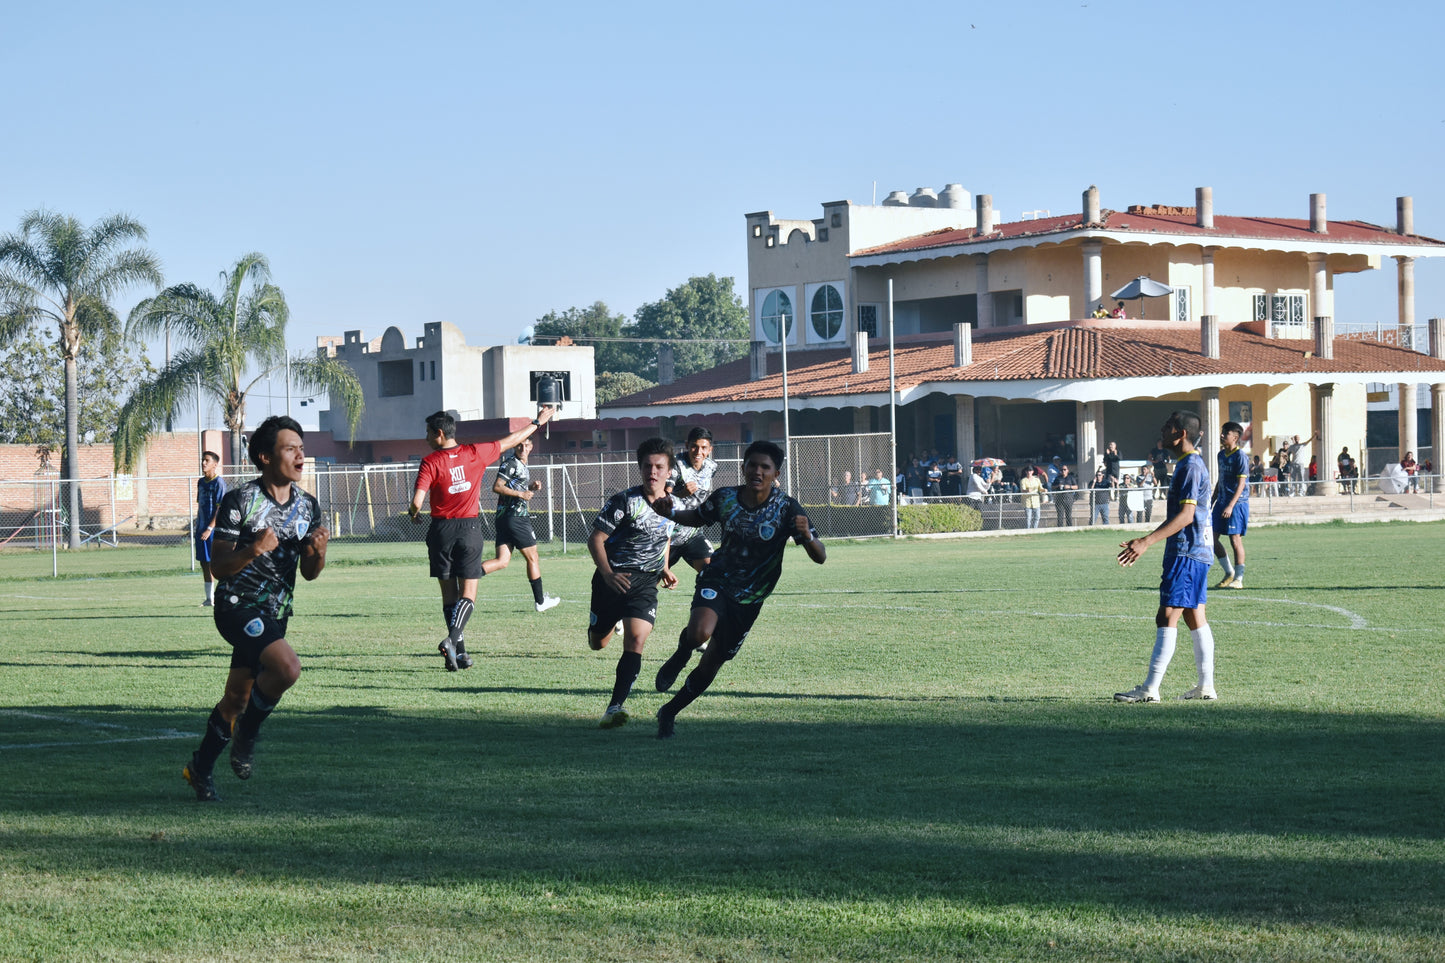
[483, 163]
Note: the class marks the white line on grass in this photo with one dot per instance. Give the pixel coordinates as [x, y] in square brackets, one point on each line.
[157, 735]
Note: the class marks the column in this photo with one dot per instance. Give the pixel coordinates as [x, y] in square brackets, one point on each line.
[1408, 402]
[1093, 276]
[1207, 296]
[1323, 421]
[1319, 287]
[1437, 400]
[985, 300]
[1209, 423]
[965, 440]
[1088, 423]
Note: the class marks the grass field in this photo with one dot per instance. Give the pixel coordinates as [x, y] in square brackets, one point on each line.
[915, 757]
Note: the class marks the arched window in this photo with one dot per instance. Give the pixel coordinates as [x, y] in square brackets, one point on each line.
[826, 313]
[777, 315]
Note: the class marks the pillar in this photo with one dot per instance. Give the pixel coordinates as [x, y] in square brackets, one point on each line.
[1323, 421]
[1408, 403]
[985, 300]
[1437, 399]
[1093, 276]
[1088, 426]
[1209, 422]
[1208, 263]
[965, 439]
[1319, 286]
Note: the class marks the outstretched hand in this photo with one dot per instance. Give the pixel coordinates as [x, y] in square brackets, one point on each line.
[1131, 551]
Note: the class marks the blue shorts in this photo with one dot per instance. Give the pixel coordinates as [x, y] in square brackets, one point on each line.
[203, 545]
[1236, 524]
[1184, 584]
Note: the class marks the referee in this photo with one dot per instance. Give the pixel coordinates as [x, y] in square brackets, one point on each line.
[451, 477]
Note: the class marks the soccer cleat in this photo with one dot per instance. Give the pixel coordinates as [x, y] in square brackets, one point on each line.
[1200, 692]
[666, 724]
[204, 785]
[1237, 583]
[614, 718]
[548, 602]
[670, 669]
[1139, 693]
[1226, 582]
[464, 661]
[243, 751]
[449, 653]
[206, 603]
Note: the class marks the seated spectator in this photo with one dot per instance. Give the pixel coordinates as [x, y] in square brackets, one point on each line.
[1118, 312]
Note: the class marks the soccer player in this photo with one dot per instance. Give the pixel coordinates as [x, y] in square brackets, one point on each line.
[1231, 504]
[1188, 554]
[514, 488]
[629, 545]
[451, 476]
[210, 489]
[264, 530]
[757, 521]
[689, 486]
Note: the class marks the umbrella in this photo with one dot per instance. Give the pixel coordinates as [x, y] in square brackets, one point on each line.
[988, 463]
[1140, 288]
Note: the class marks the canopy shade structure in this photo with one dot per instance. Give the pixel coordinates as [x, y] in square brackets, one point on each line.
[1140, 288]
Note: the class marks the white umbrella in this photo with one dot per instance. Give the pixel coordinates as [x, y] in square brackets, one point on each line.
[1140, 288]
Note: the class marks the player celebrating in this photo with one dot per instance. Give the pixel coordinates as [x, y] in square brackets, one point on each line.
[264, 529]
[1231, 504]
[689, 486]
[451, 476]
[629, 545]
[210, 489]
[514, 487]
[757, 521]
[1188, 553]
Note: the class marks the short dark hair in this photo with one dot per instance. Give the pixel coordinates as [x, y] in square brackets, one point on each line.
[263, 439]
[765, 448]
[655, 446]
[211, 455]
[1229, 426]
[1188, 421]
[442, 422]
[699, 434]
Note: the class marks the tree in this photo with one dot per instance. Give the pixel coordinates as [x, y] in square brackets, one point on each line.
[615, 384]
[32, 390]
[56, 270]
[222, 336]
[584, 325]
[704, 308]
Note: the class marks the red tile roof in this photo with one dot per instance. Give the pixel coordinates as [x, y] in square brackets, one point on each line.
[1225, 228]
[1080, 351]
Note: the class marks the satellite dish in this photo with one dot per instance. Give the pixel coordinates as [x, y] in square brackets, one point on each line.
[526, 336]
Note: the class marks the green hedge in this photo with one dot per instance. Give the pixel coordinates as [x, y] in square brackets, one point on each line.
[938, 517]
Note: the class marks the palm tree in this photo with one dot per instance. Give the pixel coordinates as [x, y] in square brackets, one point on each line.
[222, 335]
[55, 269]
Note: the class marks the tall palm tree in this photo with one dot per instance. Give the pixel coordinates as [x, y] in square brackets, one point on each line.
[223, 336]
[57, 270]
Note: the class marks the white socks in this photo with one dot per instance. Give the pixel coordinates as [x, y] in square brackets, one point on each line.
[1159, 661]
[1203, 638]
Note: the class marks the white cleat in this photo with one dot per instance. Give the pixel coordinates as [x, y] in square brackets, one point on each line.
[1200, 692]
[548, 602]
[1139, 693]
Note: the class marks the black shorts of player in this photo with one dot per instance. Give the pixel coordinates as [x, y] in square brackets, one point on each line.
[454, 546]
[249, 632]
[515, 531]
[695, 549]
[734, 619]
[638, 602]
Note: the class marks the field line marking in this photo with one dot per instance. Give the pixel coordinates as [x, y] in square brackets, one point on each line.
[158, 735]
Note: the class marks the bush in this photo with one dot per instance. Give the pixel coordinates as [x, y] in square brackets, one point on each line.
[936, 517]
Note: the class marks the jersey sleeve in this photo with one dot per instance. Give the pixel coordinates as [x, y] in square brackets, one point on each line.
[709, 510]
[425, 475]
[794, 510]
[612, 514]
[228, 518]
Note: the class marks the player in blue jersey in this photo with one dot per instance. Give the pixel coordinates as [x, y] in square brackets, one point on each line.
[757, 522]
[1188, 554]
[1231, 504]
[210, 489]
[629, 545]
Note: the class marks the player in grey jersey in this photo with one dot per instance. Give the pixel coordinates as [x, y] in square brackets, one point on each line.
[689, 486]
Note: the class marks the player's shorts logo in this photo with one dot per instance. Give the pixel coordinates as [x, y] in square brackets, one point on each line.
[591, 618]
[767, 531]
[254, 628]
[708, 594]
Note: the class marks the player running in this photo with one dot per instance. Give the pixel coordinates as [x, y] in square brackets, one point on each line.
[451, 477]
[265, 530]
[514, 488]
[1231, 504]
[629, 545]
[757, 521]
[689, 486]
[1188, 553]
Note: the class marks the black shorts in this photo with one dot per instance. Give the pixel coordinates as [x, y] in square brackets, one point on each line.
[638, 602]
[734, 619]
[249, 632]
[695, 549]
[515, 531]
[454, 547]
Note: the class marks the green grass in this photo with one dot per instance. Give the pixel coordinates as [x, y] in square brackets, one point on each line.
[915, 757]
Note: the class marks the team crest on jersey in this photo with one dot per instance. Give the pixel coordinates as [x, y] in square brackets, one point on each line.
[708, 594]
[767, 531]
[301, 528]
[235, 516]
[254, 628]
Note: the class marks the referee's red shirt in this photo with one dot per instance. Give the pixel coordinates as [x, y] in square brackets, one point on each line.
[452, 478]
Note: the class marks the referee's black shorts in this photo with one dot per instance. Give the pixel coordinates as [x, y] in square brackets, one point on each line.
[515, 531]
[454, 547]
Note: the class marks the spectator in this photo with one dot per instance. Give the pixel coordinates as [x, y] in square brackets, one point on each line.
[847, 491]
[1408, 463]
[916, 478]
[1100, 493]
[1065, 489]
[1052, 470]
[933, 473]
[880, 492]
[1132, 500]
[978, 487]
[1345, 463]
[1159, 463]
[1033, 492]
[1297, 464]
[1111, 463]
[952, 476]
[1118, 311]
